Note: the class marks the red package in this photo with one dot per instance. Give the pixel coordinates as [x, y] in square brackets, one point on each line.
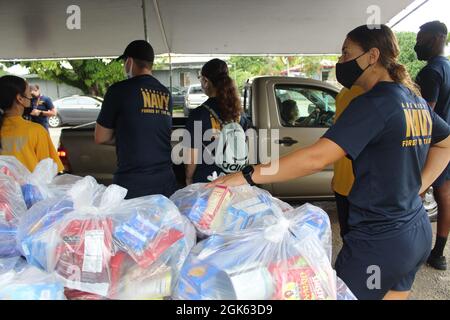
[218, 202]
[5, 211]
[296, 280]
[163, 241]
[5, 170]
[84, 255]
[80, 295]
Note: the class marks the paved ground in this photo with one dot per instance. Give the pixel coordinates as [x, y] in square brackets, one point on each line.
[430, 284]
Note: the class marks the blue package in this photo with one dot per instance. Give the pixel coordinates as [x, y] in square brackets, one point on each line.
[244, 214]
[34, 246]
[193, 209]
[8, 244]
[48, 291]
[31, 195]
[136, 233]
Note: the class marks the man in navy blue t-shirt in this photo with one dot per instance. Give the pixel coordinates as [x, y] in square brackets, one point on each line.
[136, 116]
[42, 107]
[434, 82]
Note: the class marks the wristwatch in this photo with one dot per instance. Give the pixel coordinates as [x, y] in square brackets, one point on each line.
[248, 172]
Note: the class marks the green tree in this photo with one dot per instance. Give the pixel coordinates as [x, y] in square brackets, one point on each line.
[92, 76]
[407, 41]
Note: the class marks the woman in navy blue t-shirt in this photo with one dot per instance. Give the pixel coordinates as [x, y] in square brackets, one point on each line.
[398, 147]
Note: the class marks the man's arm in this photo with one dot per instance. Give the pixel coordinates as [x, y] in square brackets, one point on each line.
[104, 135]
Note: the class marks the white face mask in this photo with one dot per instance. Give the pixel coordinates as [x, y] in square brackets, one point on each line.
[129, 74]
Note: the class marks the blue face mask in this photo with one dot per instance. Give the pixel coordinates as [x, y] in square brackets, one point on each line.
[347, 73]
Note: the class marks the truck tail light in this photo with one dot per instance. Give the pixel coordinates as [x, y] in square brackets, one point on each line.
[62, 154]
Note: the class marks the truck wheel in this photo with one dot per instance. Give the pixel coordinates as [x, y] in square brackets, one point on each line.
[54, 122]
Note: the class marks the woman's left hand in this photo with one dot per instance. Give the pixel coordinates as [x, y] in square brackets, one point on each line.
[231, 180]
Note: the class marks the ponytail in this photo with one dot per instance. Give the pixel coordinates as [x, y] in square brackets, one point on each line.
[216, 71]
[228, 98]
[399, 74]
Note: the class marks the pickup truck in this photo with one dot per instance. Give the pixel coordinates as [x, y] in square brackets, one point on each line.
[264, 98]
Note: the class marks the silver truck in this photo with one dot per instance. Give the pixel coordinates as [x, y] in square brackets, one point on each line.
[264, 100]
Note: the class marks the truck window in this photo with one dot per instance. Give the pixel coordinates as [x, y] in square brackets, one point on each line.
[305, 106]
[248, 101]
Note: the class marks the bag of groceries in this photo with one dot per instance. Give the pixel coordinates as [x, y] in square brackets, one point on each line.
[287, 260]
[41, 184]
[223, 209]
[20, 281]
[12, 208]
[37, 233]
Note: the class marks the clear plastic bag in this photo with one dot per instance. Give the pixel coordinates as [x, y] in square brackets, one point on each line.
[40, 184]
[12, 208]
[223, 209]
[153, 241]
[37, 233]
[19, 281]
[283, 261]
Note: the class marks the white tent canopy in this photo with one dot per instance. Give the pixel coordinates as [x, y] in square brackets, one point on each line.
[38, 29]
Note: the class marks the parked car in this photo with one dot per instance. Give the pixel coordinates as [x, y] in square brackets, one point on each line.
[75, 110]
[263, 100]
[194, 98]
[178, 97]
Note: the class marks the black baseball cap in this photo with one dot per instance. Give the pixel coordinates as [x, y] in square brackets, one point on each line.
[139, 49]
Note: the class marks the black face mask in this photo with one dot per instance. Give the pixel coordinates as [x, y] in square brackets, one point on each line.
[424, 52]
[348, 72]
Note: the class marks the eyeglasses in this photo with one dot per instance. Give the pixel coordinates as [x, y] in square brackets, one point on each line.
[27, 97]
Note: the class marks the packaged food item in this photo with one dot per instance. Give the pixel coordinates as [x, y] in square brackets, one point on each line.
[286, 260]
[19, 281]
[153, 240]
[222, 209]
[38, 235]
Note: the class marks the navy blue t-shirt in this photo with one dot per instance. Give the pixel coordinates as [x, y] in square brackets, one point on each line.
[387, 133]
[42, 103]
[434, 82]
[140, 112]
[204, 171]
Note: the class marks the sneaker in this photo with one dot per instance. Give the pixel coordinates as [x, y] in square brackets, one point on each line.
[436, 262]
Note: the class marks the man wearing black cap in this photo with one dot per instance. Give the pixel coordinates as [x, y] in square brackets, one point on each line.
[434, 82]
[136, 116]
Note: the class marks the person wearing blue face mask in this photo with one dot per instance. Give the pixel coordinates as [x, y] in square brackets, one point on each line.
[434, 82]
[136, 117]
[398, 146]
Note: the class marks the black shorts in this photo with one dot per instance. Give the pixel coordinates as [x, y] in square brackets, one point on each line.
[445, 175]
[371, 268]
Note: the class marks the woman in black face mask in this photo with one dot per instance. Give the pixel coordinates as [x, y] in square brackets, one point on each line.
[398, 146]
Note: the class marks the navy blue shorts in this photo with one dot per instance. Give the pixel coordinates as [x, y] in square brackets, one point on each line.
[442, 178]
[140, 185]
[371, 268]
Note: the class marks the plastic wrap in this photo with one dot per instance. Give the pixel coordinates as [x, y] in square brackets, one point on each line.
[19, 281]
[37, 233]
[283, 261]
[222, 209]
[12, 208]
[36, 186]
[153, 241]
